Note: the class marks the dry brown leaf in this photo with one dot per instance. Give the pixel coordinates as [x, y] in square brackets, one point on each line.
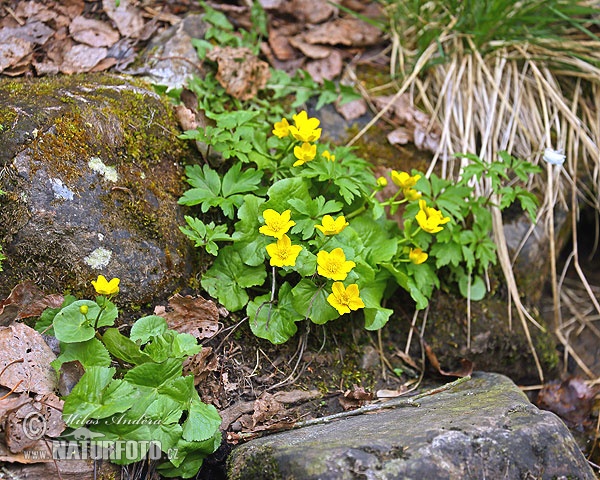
[23, 427]
[400, 136]
[33, 11]
[296, 396]
[240, 72]
[355, 398]
[127, 18]
[279, 41]
[465, 369]
[352, 110]
[69, 375]
[93, 32]
[572, 400]
[26, 300]
[265, 409]
[81, 58]
[193, 315]
[201, 364]
[325, 68]
[12, 51]
[414, 125]
[25, 360]
[350, 32]
[309, 50]
[310, 11]
[70, 8]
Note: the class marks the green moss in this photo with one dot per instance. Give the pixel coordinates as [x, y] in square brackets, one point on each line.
[258, 464]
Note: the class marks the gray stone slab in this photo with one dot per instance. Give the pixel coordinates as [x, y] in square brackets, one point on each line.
[484, 428]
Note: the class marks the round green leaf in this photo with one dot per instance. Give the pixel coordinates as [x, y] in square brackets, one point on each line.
[148, 327]
[71, 326]
[478, 290]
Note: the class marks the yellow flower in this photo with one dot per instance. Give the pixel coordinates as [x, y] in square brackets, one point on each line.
[404, 180]
[411, 194]
[345, 299]
[304, 128]
[283, 253]
[282, 129]
[382, 182]
[328, 156]
[304, 154]
[334, 265]
[417, 256]
[103, 287]
[276, 225]
[430, 219]
[329, 226]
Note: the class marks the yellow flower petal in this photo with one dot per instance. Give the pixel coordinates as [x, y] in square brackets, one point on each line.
[404, 180]
[276, 224]
[417, 256]
[104, 287]
[304, 153]
[333, 264]
[430, 219]
[329, 226]
[283, 253]
[282, 129]
[345, 299]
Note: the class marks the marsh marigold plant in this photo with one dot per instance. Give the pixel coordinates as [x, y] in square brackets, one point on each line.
[308, 236]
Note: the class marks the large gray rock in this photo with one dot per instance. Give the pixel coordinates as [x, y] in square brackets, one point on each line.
[483, 428]
[92, 170]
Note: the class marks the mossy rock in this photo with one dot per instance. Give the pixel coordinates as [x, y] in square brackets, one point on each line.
[92, 169]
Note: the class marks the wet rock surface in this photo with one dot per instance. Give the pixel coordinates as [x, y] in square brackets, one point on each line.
[483, 428]
[91, 167]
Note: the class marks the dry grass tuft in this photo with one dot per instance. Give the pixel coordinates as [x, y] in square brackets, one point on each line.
[518, 91]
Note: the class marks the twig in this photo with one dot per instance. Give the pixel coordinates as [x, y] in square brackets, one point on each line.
[398, 402]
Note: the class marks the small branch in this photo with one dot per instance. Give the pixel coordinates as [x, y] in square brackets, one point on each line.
[374, 407]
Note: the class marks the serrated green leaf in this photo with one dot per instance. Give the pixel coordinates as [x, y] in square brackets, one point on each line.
[235, 181]
[449, 253]
[202, 422]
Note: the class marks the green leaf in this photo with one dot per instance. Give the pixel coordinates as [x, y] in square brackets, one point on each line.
[202, 422]
[147, 327]
[124, 348]
[48, 315]
[376, 318]
[477, 290]
[180, 389]
[374, 236]
[274, 322]
[108, 314]
[172, 344]
[446, 253]
[71, 326]
[228, 277]
[311, 302]
[97, 395]
[90, 353]
[281, 191]
[235, 181]
[154, 375]
[207, 187]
